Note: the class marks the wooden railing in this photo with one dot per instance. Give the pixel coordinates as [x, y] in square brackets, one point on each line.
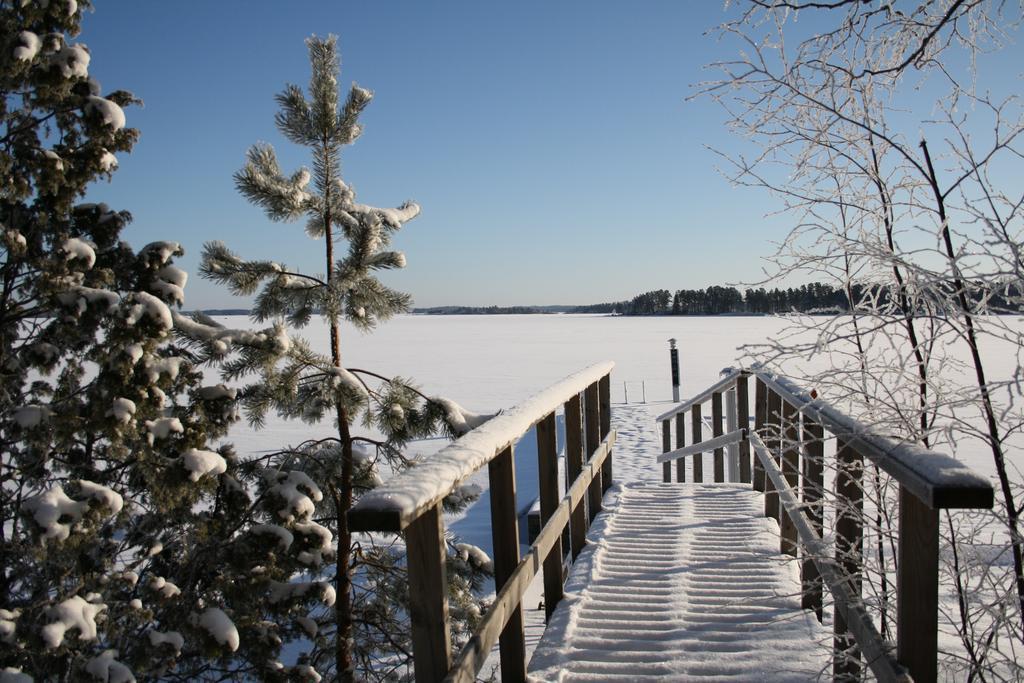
[410, 503]
[789, 442]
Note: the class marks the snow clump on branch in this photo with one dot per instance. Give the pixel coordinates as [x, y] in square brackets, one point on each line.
[78, 249]
[110, 112]
[105, 667]
[29, 47]
[56, 513]
[298, 491]
[217, 623]
[73, 613]
[458, 418]
[199, 463]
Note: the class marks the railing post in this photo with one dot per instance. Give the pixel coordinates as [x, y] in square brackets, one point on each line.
[604, 390]
[760, 415]
[592, 424]
[573, 468]
[813, 483]
[428, 596]
[917, 588]
[732, 453]
[790, 447]
[773, 427]
[666, 446]
[849, 553]
[697, 427]
[716, 430]
[743, 419]
[505, 536]
[680, 442]
[547, 473]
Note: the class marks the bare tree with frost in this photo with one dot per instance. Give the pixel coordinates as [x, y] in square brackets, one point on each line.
[132, 547]
[900, 160]
[364, 634]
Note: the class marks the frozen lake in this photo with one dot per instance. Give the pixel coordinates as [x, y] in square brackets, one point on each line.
[487, 363]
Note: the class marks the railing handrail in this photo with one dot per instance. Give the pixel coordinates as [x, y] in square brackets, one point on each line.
[878, 655]
[730, 375]
[403, 498]
[790, 429]
[936, 479]
[702, 447]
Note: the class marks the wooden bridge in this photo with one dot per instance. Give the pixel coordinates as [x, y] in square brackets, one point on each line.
[684, 580]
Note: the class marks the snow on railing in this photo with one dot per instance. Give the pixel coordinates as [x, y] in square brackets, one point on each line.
[411, 503]
[789, 441]
[401, 499]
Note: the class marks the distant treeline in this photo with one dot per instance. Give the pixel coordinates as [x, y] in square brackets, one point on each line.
[716, 300]
[810, 298]
[221, 311]
[815, 297]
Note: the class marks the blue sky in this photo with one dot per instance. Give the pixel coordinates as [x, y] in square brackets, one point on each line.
[549, 144]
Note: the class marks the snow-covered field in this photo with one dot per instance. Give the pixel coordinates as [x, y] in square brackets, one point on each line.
[487, 363]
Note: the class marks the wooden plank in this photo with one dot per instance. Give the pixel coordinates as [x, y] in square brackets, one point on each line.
[666, 446]
[760, 415]
[426, 554]
[592, 427]
[813, 439]
[743, 419]
[791, 470]
[917, 588]
[547, 473]
[505, 539]
[849, 549]
[573, 467]
[859, 622]
[680, 442]
[703, 447]
[697, 434]
[604, 390]
[773, 412]
[716, 430]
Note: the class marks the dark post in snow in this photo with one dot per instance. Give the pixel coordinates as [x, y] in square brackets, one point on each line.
[674, 355]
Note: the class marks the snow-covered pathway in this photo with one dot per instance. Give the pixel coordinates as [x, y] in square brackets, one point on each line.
[679, 582]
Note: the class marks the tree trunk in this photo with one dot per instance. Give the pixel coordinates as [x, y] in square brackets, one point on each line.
[343, 578]
[341, 493]
[994, 437]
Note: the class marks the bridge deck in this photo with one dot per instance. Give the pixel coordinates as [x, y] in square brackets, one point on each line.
[682, 582]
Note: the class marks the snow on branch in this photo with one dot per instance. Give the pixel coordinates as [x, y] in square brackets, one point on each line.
[263, 183]
[458, 418]
[73, 613]
[219, 625]
[57, 514]
[392, 218]
[221, 340]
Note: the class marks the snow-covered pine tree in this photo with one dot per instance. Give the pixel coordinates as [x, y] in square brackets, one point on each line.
[366, 636]
[128, 542]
